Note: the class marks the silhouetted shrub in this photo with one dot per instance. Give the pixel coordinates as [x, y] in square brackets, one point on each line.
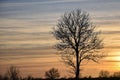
[116, 74]
[52, 74]
[29, 77]
[103, 74]
[5, 77]
[1, 78]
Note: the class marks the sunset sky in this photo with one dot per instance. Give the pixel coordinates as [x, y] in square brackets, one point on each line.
[26, 40]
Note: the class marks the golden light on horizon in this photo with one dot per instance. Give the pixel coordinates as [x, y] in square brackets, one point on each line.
[113, 59]
[117, 60]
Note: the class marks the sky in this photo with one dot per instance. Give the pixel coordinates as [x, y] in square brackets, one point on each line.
[26, 40]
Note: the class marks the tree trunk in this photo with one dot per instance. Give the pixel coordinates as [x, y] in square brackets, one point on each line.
[77, 65]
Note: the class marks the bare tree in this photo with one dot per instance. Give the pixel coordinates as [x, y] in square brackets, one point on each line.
[13, 73]
[52, 74]
[104, 74]
[78, 40]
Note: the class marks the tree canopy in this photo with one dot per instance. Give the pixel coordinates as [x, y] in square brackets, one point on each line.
[78, 39]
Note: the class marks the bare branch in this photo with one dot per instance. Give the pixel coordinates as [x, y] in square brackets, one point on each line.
[78, 39]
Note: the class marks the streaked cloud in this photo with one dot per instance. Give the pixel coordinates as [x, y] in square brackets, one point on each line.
[111, 32]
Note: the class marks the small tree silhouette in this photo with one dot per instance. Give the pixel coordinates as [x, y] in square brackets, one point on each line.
[52, 74]
[13, 73]
[116, 74]
[29, 77]
[103, 74]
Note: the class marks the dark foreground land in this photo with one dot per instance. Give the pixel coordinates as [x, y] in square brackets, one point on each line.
[111, 78]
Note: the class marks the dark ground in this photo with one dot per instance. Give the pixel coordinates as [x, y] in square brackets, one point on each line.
[111, 78]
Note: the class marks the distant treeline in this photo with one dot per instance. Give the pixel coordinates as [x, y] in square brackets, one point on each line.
[13, 73]
[110, 78]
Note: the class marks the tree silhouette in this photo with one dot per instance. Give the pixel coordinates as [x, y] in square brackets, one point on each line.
[29, 77]
[116, 74]
[78, 40]
[13, 73]
[104, 74]
[52, 74]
